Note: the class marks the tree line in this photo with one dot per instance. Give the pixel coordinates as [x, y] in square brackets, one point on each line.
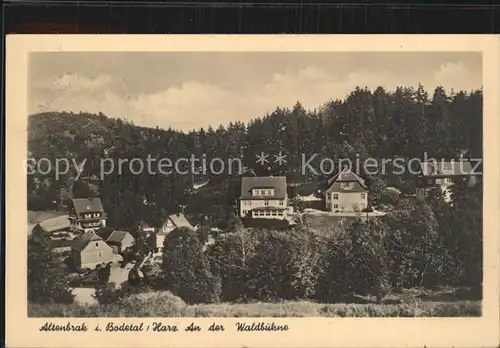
[417, 244]
[403, 123]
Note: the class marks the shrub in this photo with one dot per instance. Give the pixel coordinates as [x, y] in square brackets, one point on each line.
[107, 294]
[153, 304]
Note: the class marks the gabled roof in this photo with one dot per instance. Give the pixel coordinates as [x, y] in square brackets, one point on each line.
[346, 176]
[118, 236]
[55, 224]
[278, 183]
[442, 168]
[81, 243]
[178, 220]
[90, 205]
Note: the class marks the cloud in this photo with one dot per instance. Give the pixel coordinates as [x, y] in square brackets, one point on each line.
[193, 104]
[457, 76]
[78, 83]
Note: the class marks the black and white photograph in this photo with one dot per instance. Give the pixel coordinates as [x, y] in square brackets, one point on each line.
[255, 184]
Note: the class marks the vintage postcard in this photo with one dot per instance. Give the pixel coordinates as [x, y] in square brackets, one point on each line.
[252, 191]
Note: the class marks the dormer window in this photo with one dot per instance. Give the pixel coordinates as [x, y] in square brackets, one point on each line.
[263, 192]
[347, 185]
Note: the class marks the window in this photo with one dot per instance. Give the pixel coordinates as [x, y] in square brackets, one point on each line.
[100, 254]
[335, 196]
[266, 203]
[282, 203]
[430, 181]
[363, 196]
[270, 192]
[263, 192]
[97, 244]
[335, 206]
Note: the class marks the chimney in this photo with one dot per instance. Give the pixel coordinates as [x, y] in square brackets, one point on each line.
[182, 207]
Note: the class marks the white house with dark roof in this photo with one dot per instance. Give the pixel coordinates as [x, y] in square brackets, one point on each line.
[90, 250]
[346, 192]
[264, 197]
[86, 214]
[120, 240]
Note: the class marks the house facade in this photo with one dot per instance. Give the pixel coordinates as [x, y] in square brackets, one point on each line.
[155, 240]
[120, 241]
[86, 214]
[175, 221]
[90, 250]
[263, 197]
[347, 192]
[443, 175]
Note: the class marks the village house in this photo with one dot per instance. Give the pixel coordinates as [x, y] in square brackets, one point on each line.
[443, 175]
[86, 214]
[347, 192]
[90, 250]
[156, 239]
[120, 241]
[264, 197]
[176, 221]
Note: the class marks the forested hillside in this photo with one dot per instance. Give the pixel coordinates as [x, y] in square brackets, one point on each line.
[380, 124]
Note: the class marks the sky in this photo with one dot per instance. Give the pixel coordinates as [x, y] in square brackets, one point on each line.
[190, 90]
